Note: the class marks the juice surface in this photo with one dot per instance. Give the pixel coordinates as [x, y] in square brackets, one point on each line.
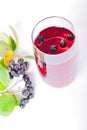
[54, 40]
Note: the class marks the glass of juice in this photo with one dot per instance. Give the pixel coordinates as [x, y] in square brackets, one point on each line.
[55, 50]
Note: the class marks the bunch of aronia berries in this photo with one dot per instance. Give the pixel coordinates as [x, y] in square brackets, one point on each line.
[17, 68]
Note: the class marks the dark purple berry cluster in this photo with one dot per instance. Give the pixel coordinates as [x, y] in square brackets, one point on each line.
[17, 68]
[28, 91]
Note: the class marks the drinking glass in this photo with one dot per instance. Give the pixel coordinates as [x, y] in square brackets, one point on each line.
[57, 70]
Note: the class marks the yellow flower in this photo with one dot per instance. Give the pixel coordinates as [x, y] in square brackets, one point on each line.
[8, 56]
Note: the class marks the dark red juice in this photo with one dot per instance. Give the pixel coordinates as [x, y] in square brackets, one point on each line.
[54, 40]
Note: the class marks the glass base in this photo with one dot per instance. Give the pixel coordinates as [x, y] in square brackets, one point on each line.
[60, 84]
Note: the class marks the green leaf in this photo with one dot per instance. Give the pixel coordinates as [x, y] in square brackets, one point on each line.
[4, 78]
[18, 98]
[14, 33]
[8, 40]
[4, 37]
[2, 62]
[2, 86]
[3, 48]
[30, 57]
[13, 43]
[7, 104]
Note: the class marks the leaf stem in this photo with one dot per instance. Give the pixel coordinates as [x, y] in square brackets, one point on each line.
[28, 56]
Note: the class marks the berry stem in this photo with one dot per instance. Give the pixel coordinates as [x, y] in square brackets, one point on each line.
[9, 88]
[14, 84]
[15, 92]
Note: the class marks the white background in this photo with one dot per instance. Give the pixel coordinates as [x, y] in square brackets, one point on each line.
[51, 108]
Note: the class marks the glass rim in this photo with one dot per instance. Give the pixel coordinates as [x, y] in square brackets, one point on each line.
[50, 18]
